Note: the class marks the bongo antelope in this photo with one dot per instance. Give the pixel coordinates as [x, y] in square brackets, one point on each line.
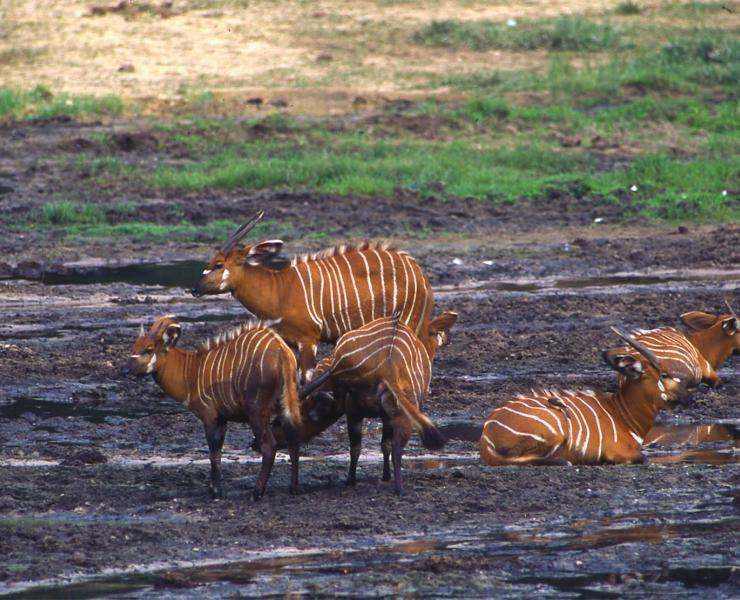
[383, 369]
[715, 336]
[246, 375]
[319, 297]
[677, 351]
[585, 427]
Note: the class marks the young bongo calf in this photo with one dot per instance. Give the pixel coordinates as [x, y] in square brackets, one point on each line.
[383, 370]
[715, 336]
[585, 427]
[247, 375]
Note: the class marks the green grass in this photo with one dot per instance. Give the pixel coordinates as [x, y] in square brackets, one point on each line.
[667, 187]
[69, 213]
[154, 232]
[41, 103]
[563, 33]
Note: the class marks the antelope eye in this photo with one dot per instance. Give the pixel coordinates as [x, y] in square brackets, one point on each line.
[218, 266]
[146, 351]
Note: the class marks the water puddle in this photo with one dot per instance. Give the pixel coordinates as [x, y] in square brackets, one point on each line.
[616, 282]
[184, 274]
[542, 553]
[181, 273]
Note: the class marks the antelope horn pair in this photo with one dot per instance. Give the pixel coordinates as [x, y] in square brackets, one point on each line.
[640, 347]
[239, 234]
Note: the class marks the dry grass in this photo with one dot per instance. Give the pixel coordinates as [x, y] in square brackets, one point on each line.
[317, 56]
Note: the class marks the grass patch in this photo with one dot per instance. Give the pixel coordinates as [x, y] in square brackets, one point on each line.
[563, 33]
[362, 165]
[154, 232]
[70, 213]
[41, 103]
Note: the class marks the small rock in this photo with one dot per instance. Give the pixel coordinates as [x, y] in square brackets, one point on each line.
[599, 220]
[457, 261]
[682, 229]
[256, 101]
[126, 68]
[324, 57]
[279, 103]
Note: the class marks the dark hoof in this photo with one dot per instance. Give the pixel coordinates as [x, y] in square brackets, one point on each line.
[351, 482]
[399, 490]
[217, 492]
[386, 477]
[256, 495]
[295, 490]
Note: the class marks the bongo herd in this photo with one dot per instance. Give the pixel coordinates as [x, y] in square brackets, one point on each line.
[374, 306]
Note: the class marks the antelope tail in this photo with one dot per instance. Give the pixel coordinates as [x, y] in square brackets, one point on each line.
[431, 437]
[289, 397]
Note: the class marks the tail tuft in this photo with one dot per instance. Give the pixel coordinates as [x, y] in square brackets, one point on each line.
[432, 438]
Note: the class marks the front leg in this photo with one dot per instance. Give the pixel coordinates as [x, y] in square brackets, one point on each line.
[215, 435]
[307, 360]
[385, 444]
[354, 431]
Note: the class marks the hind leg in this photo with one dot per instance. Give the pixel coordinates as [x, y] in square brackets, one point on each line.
[385, 444]
[401, 435]
[354, 431]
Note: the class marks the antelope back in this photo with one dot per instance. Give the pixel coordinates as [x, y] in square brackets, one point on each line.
[346, 287]
[246, 359]
[383, 350]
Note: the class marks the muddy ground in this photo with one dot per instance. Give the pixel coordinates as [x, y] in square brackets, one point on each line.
[102, 479]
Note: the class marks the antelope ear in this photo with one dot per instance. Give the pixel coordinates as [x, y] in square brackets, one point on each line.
[698, 320]
[441, 325]
[264, 251]
[729, 325]
[171, 335]
[625, 364]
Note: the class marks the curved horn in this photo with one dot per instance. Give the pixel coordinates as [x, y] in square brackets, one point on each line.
[141, 329]
[241, 232]
[729, 306]
[640, 347]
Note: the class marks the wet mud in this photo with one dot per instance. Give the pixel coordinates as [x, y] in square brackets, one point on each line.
[103, 479]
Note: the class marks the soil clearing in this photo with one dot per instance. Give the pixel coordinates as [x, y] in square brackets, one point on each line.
[103, 479]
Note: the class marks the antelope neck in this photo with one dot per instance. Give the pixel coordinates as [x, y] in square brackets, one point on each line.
[260, 290]
[637, 411]
[176, 372]
[707, 344]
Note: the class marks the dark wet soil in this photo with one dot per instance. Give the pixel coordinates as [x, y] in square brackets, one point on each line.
[99, 472]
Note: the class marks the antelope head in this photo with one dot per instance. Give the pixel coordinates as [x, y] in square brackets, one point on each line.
[721, 331]
[439, 331]
[646, 372]
[231, 260]
[151, 346]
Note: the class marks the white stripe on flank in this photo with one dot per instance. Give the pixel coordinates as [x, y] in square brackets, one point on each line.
[413, 300]
[308, 299]
[358, 309]
[515, 432]
[530, 416]
[384, 312]
[369, 287]
[395, 283]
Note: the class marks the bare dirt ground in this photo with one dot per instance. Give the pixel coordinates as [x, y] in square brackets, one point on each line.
[103, 479]
[310, 57]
